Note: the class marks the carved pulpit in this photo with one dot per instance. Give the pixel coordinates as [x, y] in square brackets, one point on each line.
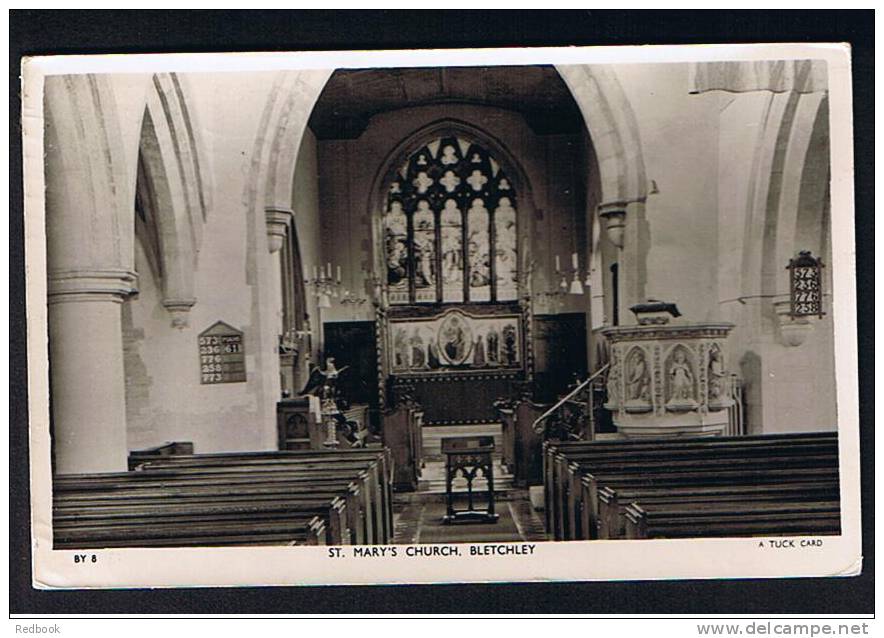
[668, 379]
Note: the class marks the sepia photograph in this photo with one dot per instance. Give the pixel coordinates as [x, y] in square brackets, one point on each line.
[442, 316]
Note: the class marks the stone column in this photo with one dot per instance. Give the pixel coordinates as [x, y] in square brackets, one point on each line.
[87, 391]
[90, 135]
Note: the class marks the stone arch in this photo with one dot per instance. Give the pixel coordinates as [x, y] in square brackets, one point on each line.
[173, 191]
[790, 169]
[613, 130]
[284, 121]
[608, 116]
[606, 111]
[787, 211]
[616, 142]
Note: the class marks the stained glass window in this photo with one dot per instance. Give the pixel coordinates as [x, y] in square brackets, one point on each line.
[424, 252]
[449, 228]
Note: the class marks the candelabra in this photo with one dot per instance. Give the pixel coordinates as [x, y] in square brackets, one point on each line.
[290, 341]
[575, 287]
[324, 285]
[327, 287]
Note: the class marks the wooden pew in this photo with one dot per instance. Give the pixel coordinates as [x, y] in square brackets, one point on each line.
[613, 502]
[588, 512]
[347, 492]
[756, 519]
[565, 462]
[528, 444]
[402, 435]
[136, 457]
[570, 468]
[342, 517]
[307, 529]
[376, 462]
[297, 425]
[561, 483]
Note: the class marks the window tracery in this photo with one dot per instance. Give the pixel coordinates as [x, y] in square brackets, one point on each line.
[449, 227]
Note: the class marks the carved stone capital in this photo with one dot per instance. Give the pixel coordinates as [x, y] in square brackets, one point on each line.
[278, 220]
[614, 216]
[113, 285]
[180, 310]
[793, 330]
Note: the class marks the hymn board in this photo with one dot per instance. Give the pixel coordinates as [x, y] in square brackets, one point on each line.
[222, 355]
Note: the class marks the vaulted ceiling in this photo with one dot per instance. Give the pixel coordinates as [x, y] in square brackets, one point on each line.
[353, 96]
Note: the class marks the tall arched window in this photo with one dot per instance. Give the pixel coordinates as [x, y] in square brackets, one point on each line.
[450, 227]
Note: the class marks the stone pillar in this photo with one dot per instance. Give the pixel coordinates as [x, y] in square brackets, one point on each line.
[90, 139]
[87, 391]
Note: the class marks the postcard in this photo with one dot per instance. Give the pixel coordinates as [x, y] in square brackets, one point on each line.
[491, 315]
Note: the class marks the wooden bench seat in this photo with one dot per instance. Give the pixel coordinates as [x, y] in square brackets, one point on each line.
[100, 518]
[570, 493]
[307, 529]
[316, 497]
[771, 519]
[576, 471]
[613, 502]
[378, 467]
[366, 524]
[381, 460]
[587, 509]
[557, 456]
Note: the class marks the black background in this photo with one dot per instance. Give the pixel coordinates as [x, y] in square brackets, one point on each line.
[81, 32]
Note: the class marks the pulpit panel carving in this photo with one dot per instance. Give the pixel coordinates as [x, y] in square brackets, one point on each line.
[681, 380]
[638, 381]
[668, 378]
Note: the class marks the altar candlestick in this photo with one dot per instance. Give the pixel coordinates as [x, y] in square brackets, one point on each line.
[574, 261]
[339, 274]
[557, 264]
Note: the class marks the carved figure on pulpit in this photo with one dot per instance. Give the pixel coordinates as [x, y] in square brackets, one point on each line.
[638, 377]
[717, 378]
[682, 378]
[638, 382]
[681, 382]
[323, 384]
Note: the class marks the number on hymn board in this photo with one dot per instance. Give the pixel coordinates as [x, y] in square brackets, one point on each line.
[222, 354]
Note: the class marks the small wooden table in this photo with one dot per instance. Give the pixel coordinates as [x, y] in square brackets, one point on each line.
[469, 455]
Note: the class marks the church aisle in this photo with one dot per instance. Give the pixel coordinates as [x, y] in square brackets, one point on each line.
[420, 521]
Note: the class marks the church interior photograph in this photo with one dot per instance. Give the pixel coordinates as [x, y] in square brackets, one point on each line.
[432, 305]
